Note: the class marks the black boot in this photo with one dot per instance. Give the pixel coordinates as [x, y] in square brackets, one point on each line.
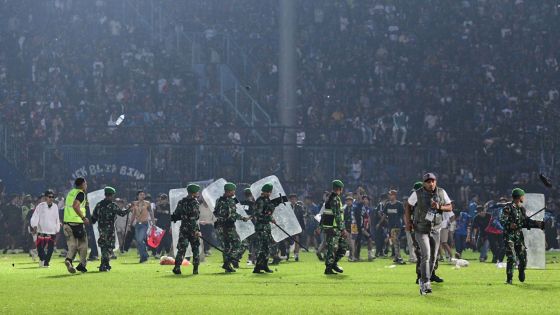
[329, 271]
[177, 269]
[266, 269]
[195, 269]
[275, 260]
[509, 278]
[521, 275]
[226, 266]
[258, 268]
[235, 264]
[435, 278]
[337, 268]
[103, 268]
[81, 268]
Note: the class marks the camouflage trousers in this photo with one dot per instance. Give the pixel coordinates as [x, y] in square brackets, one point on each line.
[336, 246]
[515, 249]
[106, 243]
[186, 238]
[232, 247]
[264, 242]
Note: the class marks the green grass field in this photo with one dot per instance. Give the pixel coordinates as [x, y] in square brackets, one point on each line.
[295, 288]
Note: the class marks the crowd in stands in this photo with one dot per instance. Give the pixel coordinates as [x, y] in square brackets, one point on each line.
[385, 89]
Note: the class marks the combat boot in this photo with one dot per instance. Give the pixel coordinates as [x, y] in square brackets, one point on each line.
[509, 278]
[235, 264]
[177, 269]
[258, 268]
[275, 260]
[81, 268]
[329, 271]
[266, 269]
[227, 268]
[435, 278]
[103, 268]
[337, 268]
[521, 275]
[195, 269]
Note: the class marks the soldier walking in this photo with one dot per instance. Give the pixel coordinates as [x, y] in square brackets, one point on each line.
[189, 233]
[105, 213]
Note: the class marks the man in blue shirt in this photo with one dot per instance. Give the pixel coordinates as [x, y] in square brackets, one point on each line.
[462, 231]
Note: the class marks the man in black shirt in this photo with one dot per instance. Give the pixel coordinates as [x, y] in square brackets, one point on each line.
[480, 222]
[395, 211]
[162, 214]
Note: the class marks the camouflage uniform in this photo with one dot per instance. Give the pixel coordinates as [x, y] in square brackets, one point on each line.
[187, 211]
[513, 237]
[105, 213]
[263, 215]
[226, 216]
[336, 243]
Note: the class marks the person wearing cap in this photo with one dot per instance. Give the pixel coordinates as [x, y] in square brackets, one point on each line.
[395, 212]
[250, 242]
[104, 214]
[429, 202]
[226, 215]
[45, 223]
[332, 224]
[188, 212]
[264, 208]
[514, 219]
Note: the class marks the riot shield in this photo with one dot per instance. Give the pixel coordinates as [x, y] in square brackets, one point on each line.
[214, 191]
[174, 196]
[94, 198]
[283, 214]
[534, 238]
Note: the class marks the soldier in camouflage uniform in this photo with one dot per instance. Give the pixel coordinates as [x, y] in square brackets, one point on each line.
[226, 215]
[104, 213]
[332, 224]
[188, 213]
[263, 217]
[514, 219]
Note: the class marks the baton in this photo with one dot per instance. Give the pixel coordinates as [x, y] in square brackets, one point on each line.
[289, 236]
[536, 213]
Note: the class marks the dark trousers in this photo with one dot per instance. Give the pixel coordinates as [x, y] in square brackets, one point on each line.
[92, 244]
[379, 241]
[45, 241]
[497, 247]
[128, 239]
[165, 244]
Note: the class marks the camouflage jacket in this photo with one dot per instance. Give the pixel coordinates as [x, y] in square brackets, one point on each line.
[105, 213]
[225, 212]
[188, 212]
[334, 203]
[264, 208]
[513, 214]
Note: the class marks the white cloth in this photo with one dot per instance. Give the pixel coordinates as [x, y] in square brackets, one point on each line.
[413, 198]
[446, 218]
[46, 218]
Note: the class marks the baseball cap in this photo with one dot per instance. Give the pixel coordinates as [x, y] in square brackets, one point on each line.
[429, 176]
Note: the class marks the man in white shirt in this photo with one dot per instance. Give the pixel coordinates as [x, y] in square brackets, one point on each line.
[429, 203]
[45, 222]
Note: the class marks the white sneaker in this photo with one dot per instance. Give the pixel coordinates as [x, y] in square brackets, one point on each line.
[41, 264]
[421, 285]
[249, 263]
[428, 287]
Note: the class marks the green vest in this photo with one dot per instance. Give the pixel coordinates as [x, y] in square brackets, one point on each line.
[69, 213]
[422, 207]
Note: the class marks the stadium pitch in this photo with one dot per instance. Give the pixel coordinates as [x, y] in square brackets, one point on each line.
[294, 288]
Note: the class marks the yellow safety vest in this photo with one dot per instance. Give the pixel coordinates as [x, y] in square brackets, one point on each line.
[69, 214]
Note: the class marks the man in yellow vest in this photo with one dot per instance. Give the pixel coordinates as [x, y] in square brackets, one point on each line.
[74, 230]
